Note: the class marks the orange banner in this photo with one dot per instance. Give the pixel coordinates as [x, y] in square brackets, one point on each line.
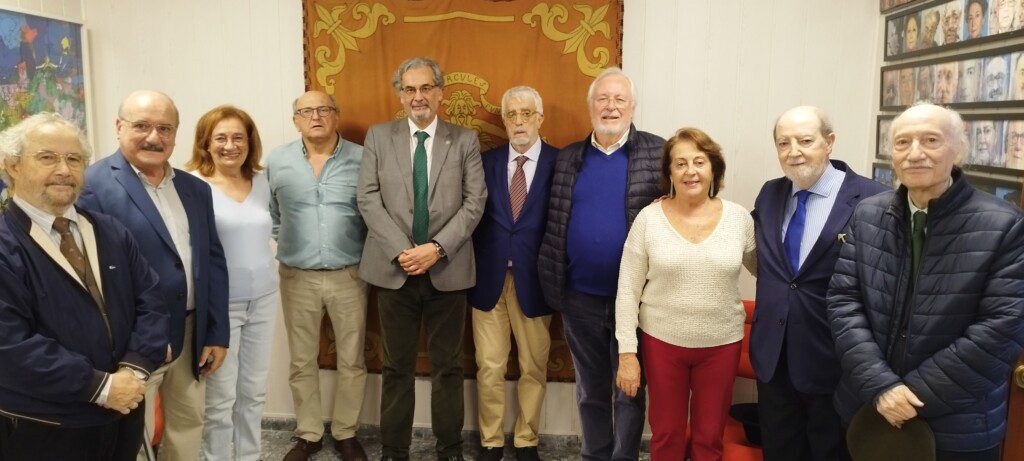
[484, 47]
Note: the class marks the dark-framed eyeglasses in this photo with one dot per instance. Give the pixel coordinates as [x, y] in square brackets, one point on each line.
[307, 112]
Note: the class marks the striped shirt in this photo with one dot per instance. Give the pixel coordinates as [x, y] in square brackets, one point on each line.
[819, 205]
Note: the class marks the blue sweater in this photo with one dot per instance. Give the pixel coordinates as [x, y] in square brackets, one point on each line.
[597, 223]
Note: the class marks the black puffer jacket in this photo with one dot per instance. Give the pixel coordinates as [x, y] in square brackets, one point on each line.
[965, 325]
[644, 151]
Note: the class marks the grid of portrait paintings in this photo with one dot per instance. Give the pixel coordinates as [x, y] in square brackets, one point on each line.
[991, 78]
[951, 24]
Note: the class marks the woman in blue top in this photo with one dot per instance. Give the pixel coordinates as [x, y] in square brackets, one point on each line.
[226, 154]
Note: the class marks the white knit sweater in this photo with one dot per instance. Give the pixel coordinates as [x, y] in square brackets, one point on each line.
[679, 292]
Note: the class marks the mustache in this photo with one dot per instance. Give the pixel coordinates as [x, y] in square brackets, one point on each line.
[920, 164]
[151, 147]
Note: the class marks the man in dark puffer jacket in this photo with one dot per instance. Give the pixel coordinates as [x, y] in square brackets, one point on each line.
[599, 186]
[927, 300]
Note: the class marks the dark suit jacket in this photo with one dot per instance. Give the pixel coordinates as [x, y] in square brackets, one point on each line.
[497, 239]
[57, 347]
[112, 187]
[791, 308]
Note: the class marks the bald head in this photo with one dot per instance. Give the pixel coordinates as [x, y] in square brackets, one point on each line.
[802, 115]
[313, 95]
[146, 98]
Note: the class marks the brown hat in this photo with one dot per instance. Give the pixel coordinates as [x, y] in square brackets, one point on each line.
[871, 438]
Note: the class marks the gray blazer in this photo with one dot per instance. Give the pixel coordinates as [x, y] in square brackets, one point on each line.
[385, 196]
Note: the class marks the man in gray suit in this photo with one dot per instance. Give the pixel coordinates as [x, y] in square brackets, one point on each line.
[421, 193]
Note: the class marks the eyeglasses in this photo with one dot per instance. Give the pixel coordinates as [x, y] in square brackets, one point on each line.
[526, 115]
[307, 112]
[410, 91]
[605, 101]
[74, 160]
[222, 140]
[142, 127]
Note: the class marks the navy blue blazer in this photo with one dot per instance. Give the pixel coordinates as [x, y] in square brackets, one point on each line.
[790, 308]
[497, 239]
[56, 347]
[112, 187]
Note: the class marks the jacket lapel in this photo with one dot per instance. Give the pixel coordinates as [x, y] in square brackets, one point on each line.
[438, 153]
[400, 147]
[544, 164]
[91, 253]
[773, 220]
[188, 196]
[125, 175]
[846, 200]
[500, 174]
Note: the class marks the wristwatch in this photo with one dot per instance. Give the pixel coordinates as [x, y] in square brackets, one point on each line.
[440, 251]
[138, 374]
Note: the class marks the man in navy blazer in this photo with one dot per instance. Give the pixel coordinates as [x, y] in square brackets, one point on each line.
[170, 214]
[799, 221]
[507, 293]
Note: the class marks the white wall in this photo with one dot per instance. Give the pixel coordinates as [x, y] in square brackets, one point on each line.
[726, 66]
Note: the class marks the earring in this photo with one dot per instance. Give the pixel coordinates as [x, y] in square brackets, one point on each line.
[671, 189]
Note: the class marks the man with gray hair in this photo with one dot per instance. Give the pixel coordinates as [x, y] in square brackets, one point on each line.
[600, 184]
[320, 237]
[797, 219]
[421, 192]
[507, 294]
[82, 319]
[927, 302]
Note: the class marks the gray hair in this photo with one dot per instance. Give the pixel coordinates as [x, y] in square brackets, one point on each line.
[416, 63]
[522, 92]
[334, 102]
[825, 123]
[134, 94]
[13, 139]
[956, 123]
[611, 71]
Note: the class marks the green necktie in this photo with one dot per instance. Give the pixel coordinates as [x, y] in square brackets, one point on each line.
[420, 212]
[919, 224]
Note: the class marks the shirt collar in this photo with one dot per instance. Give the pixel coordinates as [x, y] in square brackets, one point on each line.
[430, 129]
[914, 208]
[533, 153]
[826, 185]
[337, 146]
[612, 148]
[168, 175]
[43, 218]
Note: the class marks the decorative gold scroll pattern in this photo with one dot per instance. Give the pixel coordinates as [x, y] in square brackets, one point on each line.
[330, 22]
[461, 108]
[576, 39]
[459, 15]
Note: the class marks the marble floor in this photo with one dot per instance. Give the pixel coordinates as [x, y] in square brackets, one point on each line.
[277, 442]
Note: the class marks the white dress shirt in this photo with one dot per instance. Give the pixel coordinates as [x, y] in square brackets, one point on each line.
[612, 148]
[529, 168]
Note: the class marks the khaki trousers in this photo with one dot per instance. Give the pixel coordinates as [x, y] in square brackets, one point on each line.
[493, 343]
[182, 401]
[305, 296]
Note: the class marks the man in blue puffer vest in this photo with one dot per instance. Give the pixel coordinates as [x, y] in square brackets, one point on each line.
[927, 298]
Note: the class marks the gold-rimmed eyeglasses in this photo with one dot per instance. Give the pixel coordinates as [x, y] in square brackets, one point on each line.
[74, 160]
[526, 115]
[142, 127]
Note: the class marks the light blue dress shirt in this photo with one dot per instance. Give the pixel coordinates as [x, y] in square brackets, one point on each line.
[316, 220]
[819, 206]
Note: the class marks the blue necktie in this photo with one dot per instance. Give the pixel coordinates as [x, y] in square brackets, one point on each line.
[795, 231]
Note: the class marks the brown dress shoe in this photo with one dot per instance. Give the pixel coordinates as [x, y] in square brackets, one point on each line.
[350, 449]
[302, 450]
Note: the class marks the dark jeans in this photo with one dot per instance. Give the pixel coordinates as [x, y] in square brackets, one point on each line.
[23, 439]
[590, 332]
[796, 426]
[992, 454]
[444, 318]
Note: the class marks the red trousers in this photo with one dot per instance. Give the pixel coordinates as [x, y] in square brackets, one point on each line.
[673, 372]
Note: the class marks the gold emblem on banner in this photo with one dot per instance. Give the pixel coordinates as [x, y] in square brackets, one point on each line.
[330, 22]
[461, 107]
[576, 39]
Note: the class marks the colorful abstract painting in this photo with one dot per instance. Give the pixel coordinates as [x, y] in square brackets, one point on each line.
[41, 68]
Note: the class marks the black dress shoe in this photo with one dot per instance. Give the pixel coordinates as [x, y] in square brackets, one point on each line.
[527, 454]
[302, 449]
[350, 449]
[491, 453]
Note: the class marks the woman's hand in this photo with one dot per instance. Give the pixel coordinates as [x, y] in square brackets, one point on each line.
[629, 374]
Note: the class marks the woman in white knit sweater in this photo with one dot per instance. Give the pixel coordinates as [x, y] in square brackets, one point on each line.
[678, 284]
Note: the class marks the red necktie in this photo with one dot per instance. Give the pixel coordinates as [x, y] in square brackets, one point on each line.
[517, 193]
